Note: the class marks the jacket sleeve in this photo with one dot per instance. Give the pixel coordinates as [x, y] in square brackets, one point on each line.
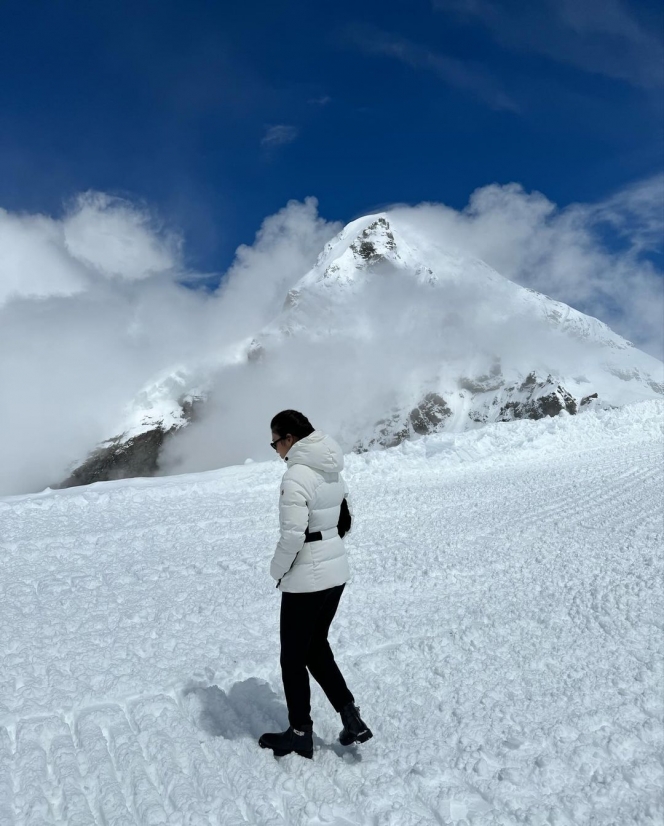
[293, 522]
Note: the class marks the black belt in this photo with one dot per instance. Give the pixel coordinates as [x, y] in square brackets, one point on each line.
[313, 537]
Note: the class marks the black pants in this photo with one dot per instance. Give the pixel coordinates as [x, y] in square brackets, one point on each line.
[305, 621]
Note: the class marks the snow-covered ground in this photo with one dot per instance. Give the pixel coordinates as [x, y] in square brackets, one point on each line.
[502, 634]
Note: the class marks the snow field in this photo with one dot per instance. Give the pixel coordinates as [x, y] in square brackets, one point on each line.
[502, 634]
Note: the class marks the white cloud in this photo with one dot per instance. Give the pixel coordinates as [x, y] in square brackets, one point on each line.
[117, 239]
[286, 246]
[34, 260]
[563, 253]
[279, 135]
[99, 237]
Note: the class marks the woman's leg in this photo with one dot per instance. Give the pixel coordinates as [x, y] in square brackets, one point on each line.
[298, 619]
[320, 659]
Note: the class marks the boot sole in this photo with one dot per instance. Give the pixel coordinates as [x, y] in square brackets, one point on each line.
[283, 752]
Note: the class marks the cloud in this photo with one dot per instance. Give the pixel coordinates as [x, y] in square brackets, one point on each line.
[117, 239]
[99, 237]
[321, 101]
[600, 36]
[566, 253]
[279, 135]
[458, 74]
[92, 310]
[286, 246]
[34, 260]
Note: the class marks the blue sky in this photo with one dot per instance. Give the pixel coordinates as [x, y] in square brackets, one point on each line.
[216, 114]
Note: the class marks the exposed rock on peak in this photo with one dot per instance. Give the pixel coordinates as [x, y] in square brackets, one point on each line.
[375, 241]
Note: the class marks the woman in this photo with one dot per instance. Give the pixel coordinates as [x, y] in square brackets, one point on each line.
[311, 570]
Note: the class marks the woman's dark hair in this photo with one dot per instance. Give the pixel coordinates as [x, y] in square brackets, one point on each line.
[293, 422]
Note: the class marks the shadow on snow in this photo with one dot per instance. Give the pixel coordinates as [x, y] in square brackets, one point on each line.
[248, 709]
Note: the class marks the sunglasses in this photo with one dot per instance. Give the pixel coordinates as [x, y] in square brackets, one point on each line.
[274, 444]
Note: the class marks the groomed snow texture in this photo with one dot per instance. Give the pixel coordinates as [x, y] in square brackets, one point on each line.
[502, 634]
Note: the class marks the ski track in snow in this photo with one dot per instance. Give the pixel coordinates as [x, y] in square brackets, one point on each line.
[502, 634]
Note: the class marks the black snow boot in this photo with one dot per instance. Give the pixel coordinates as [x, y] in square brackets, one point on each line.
[301, 742]
[355, 730]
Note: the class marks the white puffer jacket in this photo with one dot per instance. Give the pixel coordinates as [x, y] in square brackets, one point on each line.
[311, 494]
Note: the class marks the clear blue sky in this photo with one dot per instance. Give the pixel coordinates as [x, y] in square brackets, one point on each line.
[217, 113]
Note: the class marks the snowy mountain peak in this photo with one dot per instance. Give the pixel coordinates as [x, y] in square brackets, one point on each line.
[389, 337]
[375, 242]
[348, 235]
[360, 247]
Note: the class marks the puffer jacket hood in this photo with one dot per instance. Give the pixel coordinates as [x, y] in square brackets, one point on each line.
[318, 451]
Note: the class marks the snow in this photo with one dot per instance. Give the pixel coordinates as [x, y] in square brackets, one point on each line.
[502, 634]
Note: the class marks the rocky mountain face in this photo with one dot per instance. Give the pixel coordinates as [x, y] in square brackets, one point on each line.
[127, 456]
[120, 458]
[429, 342]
